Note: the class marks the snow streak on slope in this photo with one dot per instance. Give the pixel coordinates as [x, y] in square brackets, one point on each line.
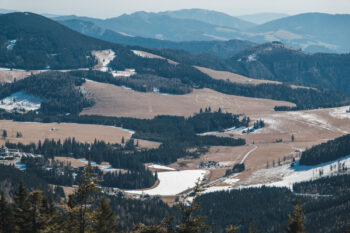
[286, 176]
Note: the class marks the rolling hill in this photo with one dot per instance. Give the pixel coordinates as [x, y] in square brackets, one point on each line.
[276, 61]
[211, 17]
[30, 41]
[162, 26]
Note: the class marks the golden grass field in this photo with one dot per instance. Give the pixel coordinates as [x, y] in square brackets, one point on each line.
[118, 101]
[232, 77]
[33, 132]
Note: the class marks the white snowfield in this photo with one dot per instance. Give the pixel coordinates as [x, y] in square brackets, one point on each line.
[340, 113]
[104, 57]
[21, 101]
[288, 176]
[161, 167]
[173, 182]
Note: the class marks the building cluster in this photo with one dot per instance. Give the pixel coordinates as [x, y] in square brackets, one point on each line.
[10, 154]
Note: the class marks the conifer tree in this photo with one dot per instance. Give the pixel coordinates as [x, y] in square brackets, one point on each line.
[22, 210]
[253, 227]
[37, 220]
[105, 219]
[80, 212]
[296, 220]
[164, 227]
[52, 219]
[231, 229]
[6, 216]
[191, 223]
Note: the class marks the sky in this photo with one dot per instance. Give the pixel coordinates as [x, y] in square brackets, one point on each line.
[113, 8]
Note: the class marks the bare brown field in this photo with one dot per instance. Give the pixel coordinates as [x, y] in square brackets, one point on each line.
[112, 100]
[33, 132]
[148, 144]
[8, 76]
[74, 162]
[236, 78]
[227, 155]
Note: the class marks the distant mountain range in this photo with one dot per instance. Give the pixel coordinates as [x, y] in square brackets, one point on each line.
[211, 17]
[163, 27]
[311, 32]
[223, 49]
[31, 41]
[262, 18]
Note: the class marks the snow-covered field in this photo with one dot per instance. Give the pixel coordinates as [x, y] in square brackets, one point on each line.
[161, 167]
[173, 182]
[21, 101]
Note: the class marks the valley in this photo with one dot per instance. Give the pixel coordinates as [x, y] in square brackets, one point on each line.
[143, 112]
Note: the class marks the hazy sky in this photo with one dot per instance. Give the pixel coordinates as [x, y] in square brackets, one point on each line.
[111, 8]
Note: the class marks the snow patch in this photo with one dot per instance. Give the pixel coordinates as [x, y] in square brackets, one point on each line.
[21, 101]
[161, 167]
[11, 45]
[104, 57]
[251, 58]
[173, 182]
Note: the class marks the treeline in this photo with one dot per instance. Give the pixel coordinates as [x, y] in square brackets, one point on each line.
[264, 208]
[57, 90]
[52, 172]
[334, 185]
[326, 152]
[130, 179]
[10, 178]
[247, 210]
[138, 82]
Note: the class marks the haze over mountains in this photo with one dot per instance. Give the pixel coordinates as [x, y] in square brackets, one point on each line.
[311, 32]
[261, 18]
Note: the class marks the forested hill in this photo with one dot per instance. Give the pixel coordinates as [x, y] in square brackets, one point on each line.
[275, 61]
[31, 41]
[326, 152]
